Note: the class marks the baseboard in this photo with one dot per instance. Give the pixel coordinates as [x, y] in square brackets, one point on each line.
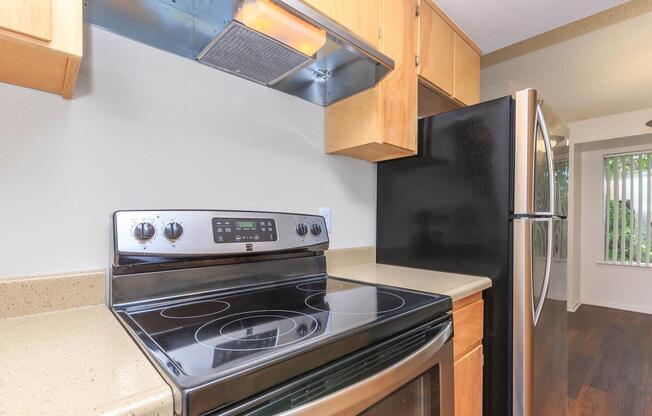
[615, 305]
[573, 307]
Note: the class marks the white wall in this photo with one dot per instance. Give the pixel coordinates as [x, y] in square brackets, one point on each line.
[592, 70]
[148, 129]
[613, 126]
[621, 287]
[592, 132]
[497, 90]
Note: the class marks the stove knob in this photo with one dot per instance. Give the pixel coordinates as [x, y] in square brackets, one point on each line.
[144, 231]
[302, 229]
[315, 229]
[173, 231]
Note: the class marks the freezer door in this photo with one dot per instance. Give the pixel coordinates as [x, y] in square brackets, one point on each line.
[540, 136]
[539, 332]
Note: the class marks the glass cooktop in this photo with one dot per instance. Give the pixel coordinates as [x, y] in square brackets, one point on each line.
[202, 337]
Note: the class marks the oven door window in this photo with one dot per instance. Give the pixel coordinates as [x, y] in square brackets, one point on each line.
[420, 397]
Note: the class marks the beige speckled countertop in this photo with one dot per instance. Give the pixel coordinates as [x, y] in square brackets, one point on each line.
[76, 362]
[457, 286]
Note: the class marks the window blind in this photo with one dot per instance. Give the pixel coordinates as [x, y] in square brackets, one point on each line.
[627, 209]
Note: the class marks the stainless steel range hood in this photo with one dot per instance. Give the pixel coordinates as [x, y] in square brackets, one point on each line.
[283, 44]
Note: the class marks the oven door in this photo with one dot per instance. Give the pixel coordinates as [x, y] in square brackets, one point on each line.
[420, 383]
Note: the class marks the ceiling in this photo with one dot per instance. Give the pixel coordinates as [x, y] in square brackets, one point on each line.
[494, 24]
[600, 72]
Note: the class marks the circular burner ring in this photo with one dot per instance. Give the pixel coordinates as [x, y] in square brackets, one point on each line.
[294, 325]
[166, 312]
[339, 286]
[265, 311]
[357, 313]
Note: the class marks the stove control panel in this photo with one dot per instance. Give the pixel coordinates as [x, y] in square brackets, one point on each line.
[235, 230]
[182, 233]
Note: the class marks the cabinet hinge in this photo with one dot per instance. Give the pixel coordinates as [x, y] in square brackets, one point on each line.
[418, 10]
[380, 32]
[416, 61]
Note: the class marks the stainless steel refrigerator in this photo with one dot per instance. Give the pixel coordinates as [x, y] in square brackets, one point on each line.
[487, 195]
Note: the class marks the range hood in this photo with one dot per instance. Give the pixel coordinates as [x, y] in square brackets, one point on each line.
[283, 44]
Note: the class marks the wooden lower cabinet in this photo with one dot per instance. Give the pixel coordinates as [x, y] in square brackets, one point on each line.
[468, 383]
[468, 321]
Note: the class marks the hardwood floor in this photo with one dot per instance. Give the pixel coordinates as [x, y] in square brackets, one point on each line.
[609, 362]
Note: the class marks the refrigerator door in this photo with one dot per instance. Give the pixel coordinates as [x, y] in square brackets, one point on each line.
[539, 321]
[449, 209]
[538, 131]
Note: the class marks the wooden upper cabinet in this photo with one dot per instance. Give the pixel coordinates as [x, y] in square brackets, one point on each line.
[381, 123]
[449, 61]
[27, 17]
[400, 86]
[361, 17]
[41, 44]
[435, 49]
[467, 72]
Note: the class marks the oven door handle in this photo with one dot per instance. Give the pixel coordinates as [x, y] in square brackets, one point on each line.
[358, 397]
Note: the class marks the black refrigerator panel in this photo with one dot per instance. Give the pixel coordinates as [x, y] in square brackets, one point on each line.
[449, 209]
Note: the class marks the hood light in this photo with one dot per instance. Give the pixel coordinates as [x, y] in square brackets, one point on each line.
[272, 20]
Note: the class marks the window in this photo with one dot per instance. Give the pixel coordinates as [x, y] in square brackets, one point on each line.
[560, 230]
[627, 209]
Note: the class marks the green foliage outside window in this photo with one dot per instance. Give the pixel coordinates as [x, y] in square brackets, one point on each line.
[631, 235]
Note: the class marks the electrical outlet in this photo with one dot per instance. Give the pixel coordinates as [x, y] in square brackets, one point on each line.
[326, 213]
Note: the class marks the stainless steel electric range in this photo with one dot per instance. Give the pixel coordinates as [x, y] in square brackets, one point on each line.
[238, 314]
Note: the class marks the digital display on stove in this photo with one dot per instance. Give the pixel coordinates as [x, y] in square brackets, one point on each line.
[244, 224]
[243, 230]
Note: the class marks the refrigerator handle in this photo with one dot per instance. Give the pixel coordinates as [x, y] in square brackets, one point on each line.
[546, 278]
[541, 121]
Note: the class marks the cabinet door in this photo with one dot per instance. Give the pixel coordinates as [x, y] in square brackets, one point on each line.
[30, 62]
[27, 17]
[469, 327]
[362, 17]
[435, 49]
[354, 123]
[400, 86]
[381, 123]
[467, 72]
[468, 384]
